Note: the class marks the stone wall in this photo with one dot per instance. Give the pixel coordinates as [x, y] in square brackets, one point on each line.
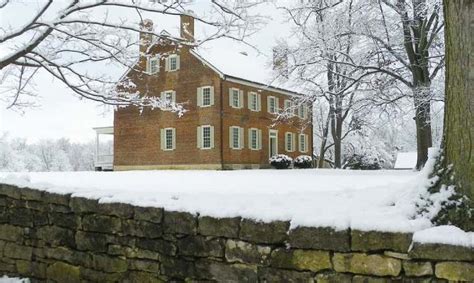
[58, 238]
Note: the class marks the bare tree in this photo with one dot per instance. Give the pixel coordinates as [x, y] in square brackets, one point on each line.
[71, 41]
[405, 38]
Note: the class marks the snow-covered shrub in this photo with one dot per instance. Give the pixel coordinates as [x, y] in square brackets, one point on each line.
[363, 162]
[280, 161]
[303, 161]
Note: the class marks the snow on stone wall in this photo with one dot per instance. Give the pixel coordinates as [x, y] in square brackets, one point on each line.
[59, 238]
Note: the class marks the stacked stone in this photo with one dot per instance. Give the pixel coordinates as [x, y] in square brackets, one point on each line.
[59, 238]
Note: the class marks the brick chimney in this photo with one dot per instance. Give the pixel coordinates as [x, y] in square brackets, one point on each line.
[187, 27]
[145, 38]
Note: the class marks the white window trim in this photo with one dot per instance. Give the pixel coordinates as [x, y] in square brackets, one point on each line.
[290, 147]
[303, 111]
[270, 97]
[200, 96]
[258, 138]
[270, 134]
[173, 95]
[240, 137]
[168, 63]
[240, 98]
[148, 65]
[200, 137]
[163, 139]
[305, 141]
[258, 103]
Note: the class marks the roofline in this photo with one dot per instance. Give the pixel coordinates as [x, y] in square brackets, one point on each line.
[241, 80]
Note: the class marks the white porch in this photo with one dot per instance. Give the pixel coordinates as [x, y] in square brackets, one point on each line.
[104, 159]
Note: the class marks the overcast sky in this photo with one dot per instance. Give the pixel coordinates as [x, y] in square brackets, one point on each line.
[60, 113]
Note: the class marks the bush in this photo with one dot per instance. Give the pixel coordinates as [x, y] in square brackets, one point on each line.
[280, 161]
[303, 161]
[359, 162]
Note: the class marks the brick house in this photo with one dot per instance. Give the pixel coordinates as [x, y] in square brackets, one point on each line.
[229, 123]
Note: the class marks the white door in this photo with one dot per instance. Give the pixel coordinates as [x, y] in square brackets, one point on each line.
[272, 143]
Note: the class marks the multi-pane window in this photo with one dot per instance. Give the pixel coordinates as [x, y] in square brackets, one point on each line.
[303, 143]
[255, 136]
[254, 101]
[289, 108]
[206, 137]
[153, 65]
[168, 96]
[206, 96]
[289, 142]
[272, 104]
[168, 138]
[235, 98]
[172, 63]
[236, 137]
[302, 111]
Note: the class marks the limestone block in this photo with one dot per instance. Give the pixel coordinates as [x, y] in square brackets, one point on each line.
[101, 223]
[143, 277]
[63, 272]
[366, 241]
[441, 252]
[219, 227]
[300, 259]
[95, 242]
[66, 220]
[142, 229]
[244, 252]
[222, 272]
[10, 232]
[320, 238]
[151, 214]
[177, 268]
[117, 209]
[157, 245]
[90, 275]
[455, 271]
[144, 265]
[179, 222]
[67, 255]
[31, 194]
[333, 277]
[56, 236]
[266, 233]
[14, 251]
[267, 274]
[10, 191]
[83, 205]
[109, 264]
[414, 268]
[360, 263]
[199, 246]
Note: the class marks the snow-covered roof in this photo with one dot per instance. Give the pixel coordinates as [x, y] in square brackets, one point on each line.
[405, 160]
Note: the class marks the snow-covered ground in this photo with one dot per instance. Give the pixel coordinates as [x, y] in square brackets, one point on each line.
[6, 279]
[368, 200]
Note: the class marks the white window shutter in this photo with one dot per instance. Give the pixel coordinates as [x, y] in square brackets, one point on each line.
[178, 64]
[242, 140]
[230, 96]
[174, 138]
[173, 96]
[293, 141]
[249, 100]
[167, 64]
[199, 96]
[212, 136]
[286, 141]
[277, 104]
[162, 139]
[212, 94]
[241, 98]
[147, 68]
[199, 137]
[259, 102]
[268, 104]
[249, 134]
[306, 143]
[162, 96]
[259, 139]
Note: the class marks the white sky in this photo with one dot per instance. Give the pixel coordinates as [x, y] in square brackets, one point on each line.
[60, 113]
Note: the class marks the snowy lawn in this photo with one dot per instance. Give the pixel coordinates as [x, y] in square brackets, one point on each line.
[367, 200]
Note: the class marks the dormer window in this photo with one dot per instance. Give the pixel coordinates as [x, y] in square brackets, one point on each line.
[172, 63]
[153, 65]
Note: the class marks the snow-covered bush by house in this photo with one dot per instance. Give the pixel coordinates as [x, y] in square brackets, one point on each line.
[280, 161]
[303, 161]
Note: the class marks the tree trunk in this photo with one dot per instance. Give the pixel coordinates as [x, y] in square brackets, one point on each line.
[458, 144]
[322, 150]
[423, 124]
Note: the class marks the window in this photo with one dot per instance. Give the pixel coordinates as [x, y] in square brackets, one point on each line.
[236, 136]
[255, 139]
[153, 65]
[168, 139]
[303, 111]
[272, 104]
[205, 137]
[172, 63]
[168, 96]
[254, 101]
[289, 142]
[303, 143]
[236, 98]
[289, 108]
[205, 96]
